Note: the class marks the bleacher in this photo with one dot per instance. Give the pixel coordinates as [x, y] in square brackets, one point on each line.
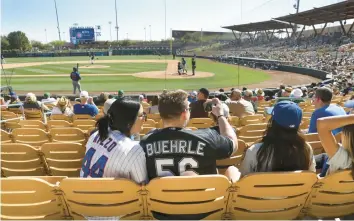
[41, 158]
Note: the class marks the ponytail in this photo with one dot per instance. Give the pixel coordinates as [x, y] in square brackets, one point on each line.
[102, 125]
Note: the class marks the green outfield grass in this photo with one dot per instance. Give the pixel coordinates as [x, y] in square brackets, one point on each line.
[114, 68]
[225, 76]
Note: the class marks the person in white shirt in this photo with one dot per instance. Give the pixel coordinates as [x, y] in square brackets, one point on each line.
[63, 106]
[341, 156]
[110, 152]
[48, 100]
[282, 148]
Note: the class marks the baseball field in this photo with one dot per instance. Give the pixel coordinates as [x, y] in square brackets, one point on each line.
[135, 74]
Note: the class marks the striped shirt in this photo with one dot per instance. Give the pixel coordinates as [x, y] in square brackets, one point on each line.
[116, 157]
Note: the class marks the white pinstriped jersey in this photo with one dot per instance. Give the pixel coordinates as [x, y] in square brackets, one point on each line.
[117, 157]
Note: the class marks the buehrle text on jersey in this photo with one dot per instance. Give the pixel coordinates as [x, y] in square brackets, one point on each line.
[174, 146]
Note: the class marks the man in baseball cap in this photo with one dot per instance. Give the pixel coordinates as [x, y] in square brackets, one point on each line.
[86, 106]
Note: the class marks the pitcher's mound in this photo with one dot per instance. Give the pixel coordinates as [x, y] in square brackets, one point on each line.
[163, 75]
[94, 66]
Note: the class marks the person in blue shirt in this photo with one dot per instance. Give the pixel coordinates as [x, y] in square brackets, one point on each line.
[87, 106]
[75, 78]
[322, 101]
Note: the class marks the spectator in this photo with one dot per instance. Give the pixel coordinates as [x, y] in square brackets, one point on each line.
[48, 100]
[238, 106]
[154, 109]
[350, 104]
[304, 92]
[287, 91]
[199, 149]
[248, 94]
[197, 108]
[14, 99]
[86, 106]
[281, 89]
[259, 95]
[192, 97]
[63, 106]
[282, 147]
[3, 103]
[32, 103]
[120, 93]
[322, 101]
[336, 91]
[341, 156]
[102, 99]
[296, 93]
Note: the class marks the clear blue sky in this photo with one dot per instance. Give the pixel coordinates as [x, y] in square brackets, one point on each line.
[34, 16]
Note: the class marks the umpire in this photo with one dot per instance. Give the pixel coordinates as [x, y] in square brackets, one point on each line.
[194, 65]
[75, 78]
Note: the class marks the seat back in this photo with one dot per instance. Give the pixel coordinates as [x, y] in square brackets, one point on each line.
[64, 159]
[314, 141]
[234, 160]
[8, 115]
[5, 137]
[60, 117]
[272, 195]
[32, 124]
[252, 119]
[311, 137]
[98, 116]
[32, 114]
[58, 123]
[82, 117]
[200, 122]
[234, 121]
[84, 124]
[102, 197]
[155, 117]
[68, 135]
[21, 160]
[149, 123]
[34, 137]
[183, 195]
[333, 196]
[253, 130]
[30, 198]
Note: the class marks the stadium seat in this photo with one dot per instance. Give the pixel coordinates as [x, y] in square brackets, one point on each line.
[15, 110]
[21, 160]
[252, 119]
[58, 123]
[305, 124]
[155, 117]
[185, 195]
[50, 179]
[24, 198]
[234, 121]
[271, 195]
[60, 117]
[34, 137]
[333, 196]
[200, 123]
[68, 135]
[234, 160]
[314, 141]
[8, 115]
[149, 123]
[253, 130]
[84, 125]
[63, 159]
[102, 197]
[33, 114]
[98, 116]
[146, 130]
[5, 137]
[32, 124]
[82, 117]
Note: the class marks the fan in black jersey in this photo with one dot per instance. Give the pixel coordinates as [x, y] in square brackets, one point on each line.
[173, 150]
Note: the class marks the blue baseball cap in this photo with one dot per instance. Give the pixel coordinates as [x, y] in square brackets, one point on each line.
[349, 104]
[287, 114]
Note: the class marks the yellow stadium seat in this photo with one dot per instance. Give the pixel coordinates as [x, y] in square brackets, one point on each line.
[64, 159]
[253, 130]
[184, 195]
[21, 160]
[200, 123]
[234, 160]
[234, 121]
[252, 119]
[155, 117]
[34, 137]
[84, 125]
[266, 196]
[98, 116]
[5, 137]
[31, 198]
[146, 130]
[32, 124]
[102, 197]
[68, 135]
[149, 123]
[8, 115]
[82, 117]
[58, 123]
[333, 196]
[33, 114]
[60, 117]
[314, 141]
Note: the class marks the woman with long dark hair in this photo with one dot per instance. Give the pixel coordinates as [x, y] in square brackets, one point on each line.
[341, 156]
[282, 148]
[109, 151]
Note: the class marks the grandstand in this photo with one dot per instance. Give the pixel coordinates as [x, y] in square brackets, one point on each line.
[42, 153]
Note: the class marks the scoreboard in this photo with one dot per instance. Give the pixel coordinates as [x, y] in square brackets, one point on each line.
[81, 35]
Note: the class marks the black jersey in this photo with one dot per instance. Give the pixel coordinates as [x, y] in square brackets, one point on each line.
[172, 151]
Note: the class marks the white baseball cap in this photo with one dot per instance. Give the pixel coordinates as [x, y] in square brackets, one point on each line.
[296, 93]
[107, 105]
[84, 94]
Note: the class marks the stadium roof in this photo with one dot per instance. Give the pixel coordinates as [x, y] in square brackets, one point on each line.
[331, 13]
[259, 26]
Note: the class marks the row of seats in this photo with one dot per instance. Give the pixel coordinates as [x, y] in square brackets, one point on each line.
[283, 196]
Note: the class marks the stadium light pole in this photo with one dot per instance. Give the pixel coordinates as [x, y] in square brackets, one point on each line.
[46, 37]
[117, 28]
[145, 32]
[56, 11]
[127, 35]
[150, 31]
[110, 29]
